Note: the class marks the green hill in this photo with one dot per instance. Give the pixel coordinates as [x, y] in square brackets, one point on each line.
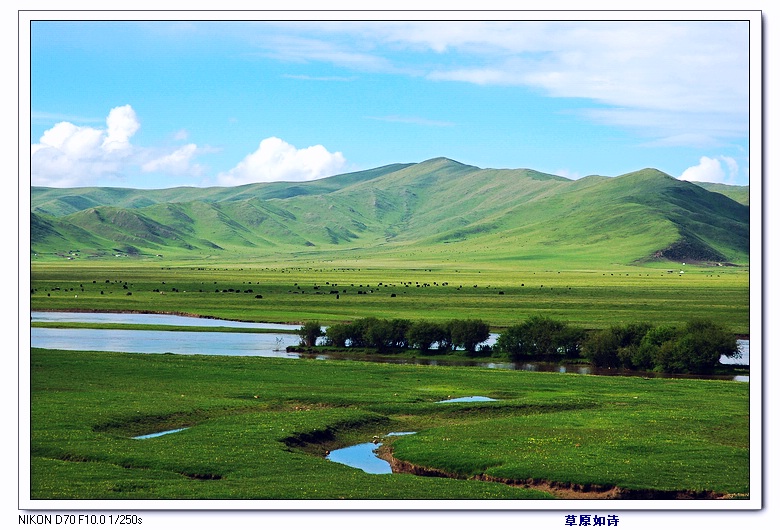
[438, 209]
[741, 194]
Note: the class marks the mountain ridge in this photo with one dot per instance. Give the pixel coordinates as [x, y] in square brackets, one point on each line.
[439, 207]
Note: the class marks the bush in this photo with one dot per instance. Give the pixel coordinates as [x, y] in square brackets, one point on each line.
[696, 348]
[370, 332]
[355, 334]
[540, 337]
[601, 347]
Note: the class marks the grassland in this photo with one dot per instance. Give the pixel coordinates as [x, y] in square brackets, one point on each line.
[333, 290]
[258, 428]
[437, 240]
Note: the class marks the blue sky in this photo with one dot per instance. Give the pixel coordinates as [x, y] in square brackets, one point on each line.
[157, 104]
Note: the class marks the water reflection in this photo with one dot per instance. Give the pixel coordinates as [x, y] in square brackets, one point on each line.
[363, 456]
[259, 344]
[181, 342]
[156, 434]
[151, 318]
[467, 399]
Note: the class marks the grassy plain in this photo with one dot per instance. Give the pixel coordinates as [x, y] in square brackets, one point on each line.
[248, 419]
[333, 291]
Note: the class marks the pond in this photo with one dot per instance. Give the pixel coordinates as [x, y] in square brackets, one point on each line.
[248, 344]
[363, 456]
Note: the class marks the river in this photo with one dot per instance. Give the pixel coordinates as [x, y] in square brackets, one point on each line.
[238, 344]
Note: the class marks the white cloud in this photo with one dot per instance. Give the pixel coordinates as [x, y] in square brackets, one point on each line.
[72, 155]
[71, 140]
[676, 81]
[122, 124]
[69, 155]
[733, 167]
[477, 76]
[305, 49]
[684, 139]
[275, 160]
[646, 65]
[711, 170]
[175, 163]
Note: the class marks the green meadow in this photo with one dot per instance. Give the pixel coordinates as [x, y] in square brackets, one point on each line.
[259, 428]
[331, 290]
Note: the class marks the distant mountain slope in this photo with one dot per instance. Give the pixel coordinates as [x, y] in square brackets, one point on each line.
[741, 194]
[436, 208]
[63, 201]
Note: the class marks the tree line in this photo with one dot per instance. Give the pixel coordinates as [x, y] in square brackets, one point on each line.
[695, 347]
[393, 334]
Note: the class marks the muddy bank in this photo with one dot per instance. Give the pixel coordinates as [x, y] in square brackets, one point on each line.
[561, 490]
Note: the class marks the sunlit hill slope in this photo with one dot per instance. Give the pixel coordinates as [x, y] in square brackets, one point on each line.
[438, 209]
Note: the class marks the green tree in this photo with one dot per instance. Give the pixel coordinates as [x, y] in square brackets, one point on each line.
[399, 329]
[468, 333]
[423, 334]
[615, 346]
[651, 351]
[309, 332]
[540, 337]
[338, 335]
[601, 348]
[377, 333]
[697, 349]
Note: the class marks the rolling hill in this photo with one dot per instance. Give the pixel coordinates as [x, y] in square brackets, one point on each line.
[438, 209]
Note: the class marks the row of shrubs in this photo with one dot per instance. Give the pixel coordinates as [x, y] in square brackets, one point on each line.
[695, 347]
